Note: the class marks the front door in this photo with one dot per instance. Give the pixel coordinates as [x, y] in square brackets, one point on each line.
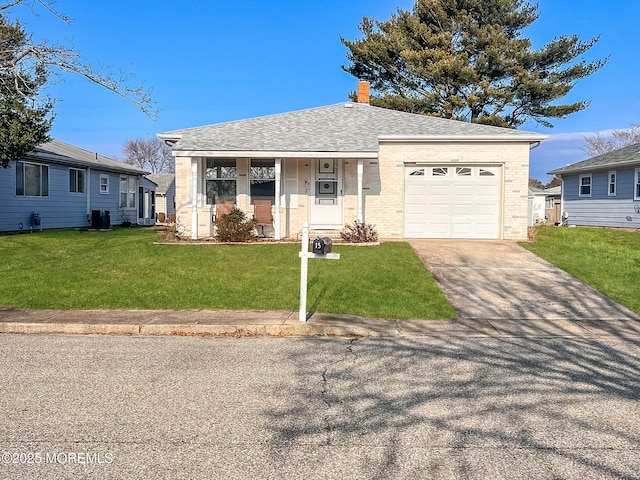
[325, 194]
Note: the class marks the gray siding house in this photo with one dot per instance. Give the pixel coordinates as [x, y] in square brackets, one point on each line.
[165, 195]
[603, 191]
[60, 186]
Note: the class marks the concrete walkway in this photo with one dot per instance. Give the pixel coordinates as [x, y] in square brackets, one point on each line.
[497, 289]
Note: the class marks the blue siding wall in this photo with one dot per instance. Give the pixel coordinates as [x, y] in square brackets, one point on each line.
[106, 201]
[602, 209]
[61, 209]
[600, 186]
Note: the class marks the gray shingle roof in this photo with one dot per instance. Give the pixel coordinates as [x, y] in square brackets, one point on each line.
[56, 151]
[344, 127]
[162, 180]
[626, 156]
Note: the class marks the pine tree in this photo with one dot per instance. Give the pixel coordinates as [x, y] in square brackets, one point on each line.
[25, 117]
[468, 60]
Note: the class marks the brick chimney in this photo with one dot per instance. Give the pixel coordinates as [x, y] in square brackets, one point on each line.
[363, 92]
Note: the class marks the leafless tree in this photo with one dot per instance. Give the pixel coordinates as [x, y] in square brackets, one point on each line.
[152, 155]
[56, 58]
[599, 144]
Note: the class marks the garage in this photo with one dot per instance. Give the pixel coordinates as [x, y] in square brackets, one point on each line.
[452, 201]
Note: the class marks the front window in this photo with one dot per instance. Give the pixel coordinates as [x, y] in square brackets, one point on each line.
[612, 184]
[585, 185]
[548, 202]
[127, 191]
[32, 179]
[221, 177]
[262, 180]
[76, 180]
[637, 187]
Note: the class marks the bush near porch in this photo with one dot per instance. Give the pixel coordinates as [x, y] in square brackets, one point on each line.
[606, 259]
[124, 269]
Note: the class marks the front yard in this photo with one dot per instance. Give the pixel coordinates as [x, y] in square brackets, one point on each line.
[606, 259]
[124, 269]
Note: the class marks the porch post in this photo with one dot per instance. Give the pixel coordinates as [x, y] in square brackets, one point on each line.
[194, 199]
[360, 215]
[276, 217]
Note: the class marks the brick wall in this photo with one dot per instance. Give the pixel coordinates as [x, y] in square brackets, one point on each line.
[383, 193]
[384, 201]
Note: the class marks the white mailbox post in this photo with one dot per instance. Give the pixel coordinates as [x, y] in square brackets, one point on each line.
[305, 255]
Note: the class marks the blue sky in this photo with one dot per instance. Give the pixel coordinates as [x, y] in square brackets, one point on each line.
[214, 61]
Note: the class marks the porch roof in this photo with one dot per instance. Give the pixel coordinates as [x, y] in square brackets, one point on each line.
[350, 129]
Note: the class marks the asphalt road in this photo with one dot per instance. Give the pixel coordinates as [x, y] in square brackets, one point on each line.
[332, 408]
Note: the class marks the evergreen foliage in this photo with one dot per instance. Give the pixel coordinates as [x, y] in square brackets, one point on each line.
[235, 227]
[468, 60]
[25, 118]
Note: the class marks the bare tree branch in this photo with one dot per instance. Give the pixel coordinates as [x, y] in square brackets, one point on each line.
[153, 155]
[599, 143]
[51, 57]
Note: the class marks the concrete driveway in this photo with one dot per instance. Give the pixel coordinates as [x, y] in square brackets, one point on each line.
[501, 280]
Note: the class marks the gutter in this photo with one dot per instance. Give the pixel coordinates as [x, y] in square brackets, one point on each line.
[522, 137]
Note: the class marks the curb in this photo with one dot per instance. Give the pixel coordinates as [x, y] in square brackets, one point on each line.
[308, 330]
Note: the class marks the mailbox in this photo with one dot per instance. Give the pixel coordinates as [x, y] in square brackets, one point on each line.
[328, 244]
[322, 245]
[318, 246]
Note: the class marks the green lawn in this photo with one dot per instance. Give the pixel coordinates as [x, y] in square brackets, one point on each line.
[124, 269]
[606, 259]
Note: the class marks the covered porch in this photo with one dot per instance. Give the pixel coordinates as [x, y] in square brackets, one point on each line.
[321, 189]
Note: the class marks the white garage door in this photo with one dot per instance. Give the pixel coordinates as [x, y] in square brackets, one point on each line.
[452, 202]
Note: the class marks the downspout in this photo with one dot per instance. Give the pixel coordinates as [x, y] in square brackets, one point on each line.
[562, 219]
[88, 193]
[360, 214]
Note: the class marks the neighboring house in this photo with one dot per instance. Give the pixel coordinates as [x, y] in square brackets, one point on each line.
[412, 176]
[536, 206]
[60, 186]
[603, 191]
[553, 205]
[165, 194]
[545, 206]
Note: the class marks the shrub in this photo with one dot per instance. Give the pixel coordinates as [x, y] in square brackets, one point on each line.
[235, 227]
[359, 232]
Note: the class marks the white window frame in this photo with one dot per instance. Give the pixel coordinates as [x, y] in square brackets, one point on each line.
[44, 188]
[580, 185]
[270, 164]
[636, 186]
[129, 184]
[77, 184]
[220, 170]
[549, 203]
[612, 177]
[104, 191]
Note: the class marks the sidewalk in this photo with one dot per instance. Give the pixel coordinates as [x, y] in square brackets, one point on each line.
[220, 323]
